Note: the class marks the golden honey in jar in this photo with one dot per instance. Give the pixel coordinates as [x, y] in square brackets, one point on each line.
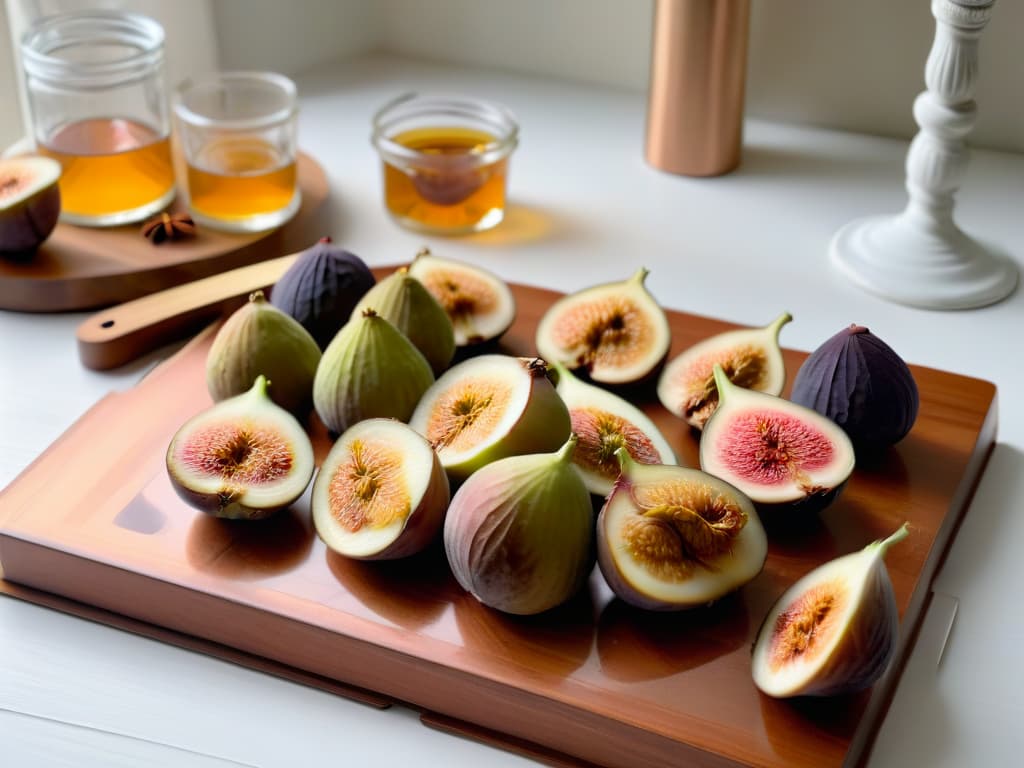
[445, 162]
[95, 86]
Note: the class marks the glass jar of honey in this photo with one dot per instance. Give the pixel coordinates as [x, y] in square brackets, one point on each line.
[97, 98]
[445, 162]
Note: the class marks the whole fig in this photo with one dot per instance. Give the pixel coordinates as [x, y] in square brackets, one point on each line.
[321, 289]
[859, 382]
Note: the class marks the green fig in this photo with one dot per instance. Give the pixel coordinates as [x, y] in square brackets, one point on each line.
[369, 370]
[258, 339]
[402, 300]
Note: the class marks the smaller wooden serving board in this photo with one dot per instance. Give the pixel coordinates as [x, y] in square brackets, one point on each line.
[95, 521]
[86, 268]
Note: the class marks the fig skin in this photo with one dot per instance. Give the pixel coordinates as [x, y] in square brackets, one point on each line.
[260, 339]
[321, 288]
[519, 534]
[369, 370]
[710, 581]
[222, 498]
[423, 523]
[859, 382]
[403, 300]
[27, 220]
[857, 649]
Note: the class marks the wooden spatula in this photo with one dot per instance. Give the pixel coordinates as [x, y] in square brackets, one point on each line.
[120, 334]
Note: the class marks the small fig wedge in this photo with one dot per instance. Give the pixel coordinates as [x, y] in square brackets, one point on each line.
[616, 332]
[370, 370]
[776, 452]
[859, 382]
[670, 538]
[402, 300]
[381, 493]
[518, 534]
[834, 631]
[605, 422]
[490, 407]
[321, 287]
[259, 339]
[478, 302]
[244, 457]
[29, 202]
[750, 357]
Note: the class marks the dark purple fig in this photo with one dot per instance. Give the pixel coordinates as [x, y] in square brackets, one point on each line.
[29, 202]
[834, 631]
[859, 382]
[321, 289]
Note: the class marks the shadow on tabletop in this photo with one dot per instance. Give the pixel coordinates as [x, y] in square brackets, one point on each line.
[246, 549]
[811, 166]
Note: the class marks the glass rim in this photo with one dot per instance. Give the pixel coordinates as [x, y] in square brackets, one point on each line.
[95, 27]
[413, 105]
[284, 85]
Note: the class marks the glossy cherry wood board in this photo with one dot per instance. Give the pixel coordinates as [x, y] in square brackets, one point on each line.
[94, 520]
[85, 268]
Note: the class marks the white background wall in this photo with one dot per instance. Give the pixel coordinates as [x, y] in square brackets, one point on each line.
[848, 65]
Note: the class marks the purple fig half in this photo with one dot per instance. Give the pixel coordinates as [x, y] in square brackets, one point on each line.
[29, 202]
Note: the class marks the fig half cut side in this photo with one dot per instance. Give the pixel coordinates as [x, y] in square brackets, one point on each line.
[490, 407]
[834, 631]
[616, 332]
[479, 304]
[776, 452]
[29, 202]
[670, 538]
[750, 357]
[604, 422]
[244, 457]
[381, 493]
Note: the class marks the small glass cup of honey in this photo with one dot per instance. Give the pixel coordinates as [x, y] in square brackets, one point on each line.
[445, 161]
[238, 134]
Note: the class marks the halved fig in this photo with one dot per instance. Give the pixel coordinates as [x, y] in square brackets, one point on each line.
[29, 202]
[670, 537]
[834, 631]
[776, 452]
[605, 422]
[479, 303]
[750, 357]
[490, 407]
[616, 332]
[381, 493]
[244, 457]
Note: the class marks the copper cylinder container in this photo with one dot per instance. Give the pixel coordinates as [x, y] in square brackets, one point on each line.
[698, 77]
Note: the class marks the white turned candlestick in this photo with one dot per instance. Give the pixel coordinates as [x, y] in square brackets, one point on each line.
[921, 257]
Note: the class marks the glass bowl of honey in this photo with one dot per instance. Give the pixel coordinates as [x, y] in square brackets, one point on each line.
[445, 161]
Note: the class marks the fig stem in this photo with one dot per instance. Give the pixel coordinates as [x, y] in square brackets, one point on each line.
[883, 545]
[257, 297]
[259, 387]
[777, 323]
[564, 454]
[722, 382]
[626, 462]
[640, 275]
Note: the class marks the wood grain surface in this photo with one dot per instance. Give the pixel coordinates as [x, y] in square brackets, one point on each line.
[85, 268]
[595, 680]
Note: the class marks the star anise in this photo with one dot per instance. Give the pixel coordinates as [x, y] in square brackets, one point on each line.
[169, 226]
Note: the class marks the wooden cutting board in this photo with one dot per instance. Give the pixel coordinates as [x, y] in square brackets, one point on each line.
[594, 682]
[85, 268]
